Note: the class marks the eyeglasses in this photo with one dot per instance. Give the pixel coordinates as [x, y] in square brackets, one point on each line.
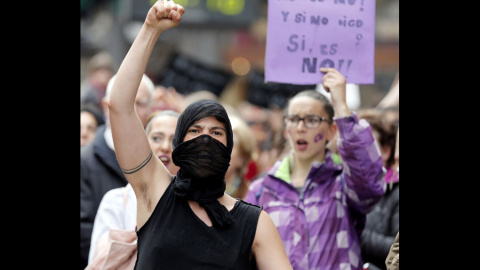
[310, 121]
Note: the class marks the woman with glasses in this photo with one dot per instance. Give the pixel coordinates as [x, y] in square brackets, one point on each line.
[319, 205]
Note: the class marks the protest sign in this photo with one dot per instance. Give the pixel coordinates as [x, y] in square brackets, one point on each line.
[304, 35]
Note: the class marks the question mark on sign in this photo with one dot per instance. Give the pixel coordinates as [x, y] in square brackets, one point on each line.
[359, 37]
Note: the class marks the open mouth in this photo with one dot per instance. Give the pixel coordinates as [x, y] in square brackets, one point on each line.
[302, 144]
[165, 159]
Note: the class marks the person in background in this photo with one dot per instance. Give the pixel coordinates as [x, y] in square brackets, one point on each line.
[113, 212]
[167, 98]
[90, 119]
[100, 69]
[186, 221]
[383, 221]
[244, 151]
[99, 169]
[160, 130]
[318, 205]
[269, 143]
[143, 101]
[392, 262]
[384, 132]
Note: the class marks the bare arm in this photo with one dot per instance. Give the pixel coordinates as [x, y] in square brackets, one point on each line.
[144, 171]
[268, 247]
[335, 83]
[392, 97]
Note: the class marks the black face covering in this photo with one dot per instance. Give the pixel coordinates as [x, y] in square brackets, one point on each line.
[203, 161]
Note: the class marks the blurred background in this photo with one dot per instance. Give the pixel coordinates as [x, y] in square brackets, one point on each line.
[223, 40]
[218, 52]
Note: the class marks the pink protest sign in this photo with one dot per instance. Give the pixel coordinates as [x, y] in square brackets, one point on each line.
[304, 35]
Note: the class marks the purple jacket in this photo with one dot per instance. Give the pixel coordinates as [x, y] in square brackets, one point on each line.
[320, 226]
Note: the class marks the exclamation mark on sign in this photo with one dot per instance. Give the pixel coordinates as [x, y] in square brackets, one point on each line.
[340, 64]
[348, 66]
[361, 6]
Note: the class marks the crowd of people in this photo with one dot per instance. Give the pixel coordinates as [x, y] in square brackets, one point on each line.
[197, 182]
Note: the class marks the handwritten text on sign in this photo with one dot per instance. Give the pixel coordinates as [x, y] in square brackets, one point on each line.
[304, 35]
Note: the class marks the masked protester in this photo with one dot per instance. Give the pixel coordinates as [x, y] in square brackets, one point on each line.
[186, 221]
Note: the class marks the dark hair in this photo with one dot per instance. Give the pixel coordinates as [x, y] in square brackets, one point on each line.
[386, 130]
[328, 107]
[97, 114]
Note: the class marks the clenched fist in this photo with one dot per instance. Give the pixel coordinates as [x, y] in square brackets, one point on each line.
[164, 15]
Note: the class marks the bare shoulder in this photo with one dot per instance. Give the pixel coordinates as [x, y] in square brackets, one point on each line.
[265, 225]
[267, 246]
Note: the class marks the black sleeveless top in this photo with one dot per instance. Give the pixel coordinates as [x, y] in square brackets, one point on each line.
[175, 238]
